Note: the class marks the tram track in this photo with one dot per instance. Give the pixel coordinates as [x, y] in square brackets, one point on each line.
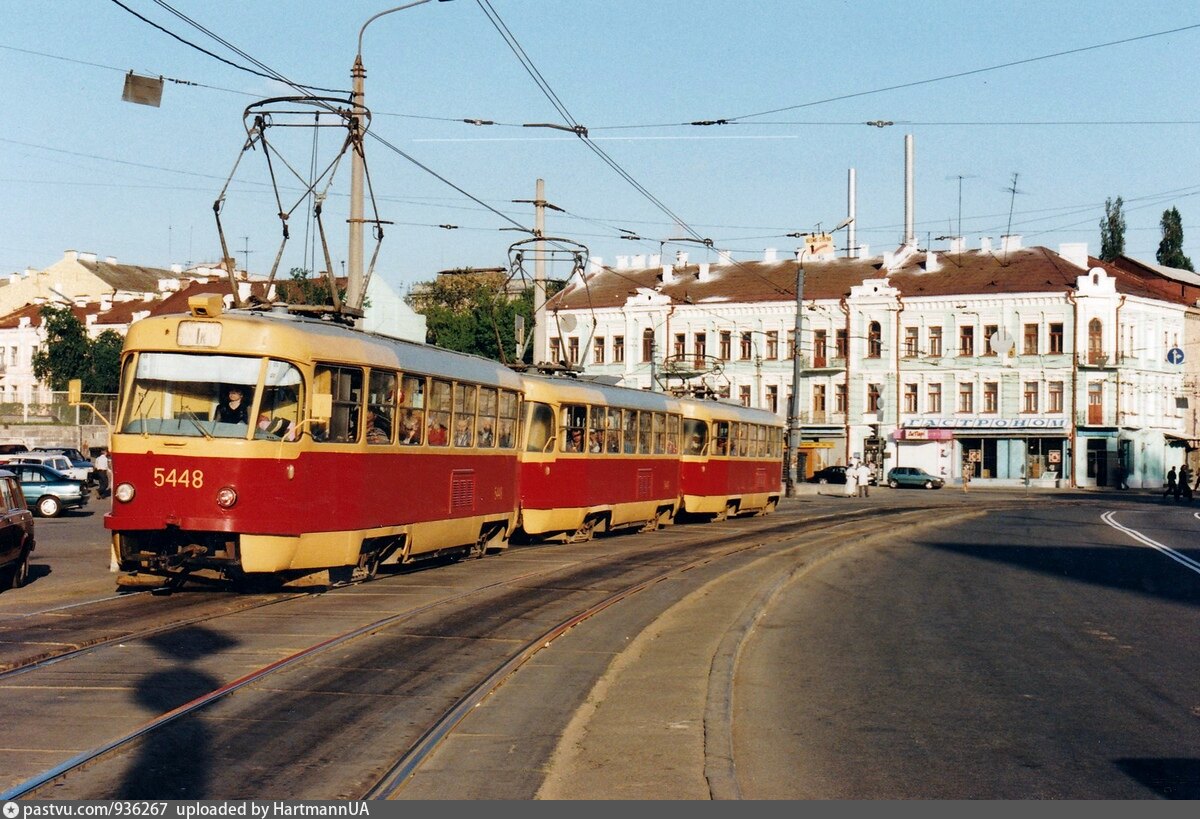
[522, 609]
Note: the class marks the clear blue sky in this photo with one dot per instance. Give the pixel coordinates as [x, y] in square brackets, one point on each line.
[81, 169]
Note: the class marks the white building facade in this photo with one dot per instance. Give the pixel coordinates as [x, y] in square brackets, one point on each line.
[1009, 366]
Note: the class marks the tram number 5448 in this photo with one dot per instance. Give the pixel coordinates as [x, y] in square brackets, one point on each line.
[193, 478]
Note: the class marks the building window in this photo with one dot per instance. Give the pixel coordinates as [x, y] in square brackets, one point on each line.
[1031, 397]
[746, 347]
[820, 347]
[699, 349]
[1056, 396]
[989, 330]
[935, 342]
[1031, 340]
[912, 343]
[773, 344]
[573, 349]
[1056, 338]
[966, 397]
[818, 401]
[839, 398]
[1096, 342]
[966, 340]
[991, 396]
[1095, 410]
[773, 398]
[647, 345]
[726, 346]
[791, 344]
[598, 350]
[744, 395]
[618, 349]
[556, 350]
[910, 398]
[874, 340]
[874, 397]
[841, 346]
[680, 349]
[933, 401]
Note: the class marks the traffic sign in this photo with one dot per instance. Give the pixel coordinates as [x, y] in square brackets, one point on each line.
[1175, 355]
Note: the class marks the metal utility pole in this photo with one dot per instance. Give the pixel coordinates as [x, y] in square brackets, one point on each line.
[539, 273]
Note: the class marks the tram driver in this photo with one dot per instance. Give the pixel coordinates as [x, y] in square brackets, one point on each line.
[233, 409]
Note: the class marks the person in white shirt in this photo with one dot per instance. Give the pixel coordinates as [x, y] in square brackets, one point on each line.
[103, 472]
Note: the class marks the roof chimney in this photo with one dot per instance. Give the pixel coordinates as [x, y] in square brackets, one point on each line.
[87, 257]
[724, 257]
[668, 274]
[1074, 252]
[1010, 243]
[957, 244]
[110, 259]
[769, 255]
[703, 274]
[681, 258]
[985, 244]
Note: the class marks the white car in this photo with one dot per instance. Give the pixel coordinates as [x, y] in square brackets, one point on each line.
[57, 462]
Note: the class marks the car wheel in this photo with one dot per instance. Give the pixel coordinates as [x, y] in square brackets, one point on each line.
[929, 484]
[49, 506]
[823, 480]
[894, 483]
[19, 573]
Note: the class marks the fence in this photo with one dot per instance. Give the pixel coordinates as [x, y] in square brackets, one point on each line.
[57, 423]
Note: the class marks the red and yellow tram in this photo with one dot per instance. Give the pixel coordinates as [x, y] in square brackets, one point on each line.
[348, 451]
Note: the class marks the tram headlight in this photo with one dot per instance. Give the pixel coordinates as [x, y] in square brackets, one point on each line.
[226, 497]
[124, 492]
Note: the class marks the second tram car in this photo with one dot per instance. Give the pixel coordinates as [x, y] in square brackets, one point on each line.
[264, 446]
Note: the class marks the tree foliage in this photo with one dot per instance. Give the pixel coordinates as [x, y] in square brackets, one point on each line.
[1112, 230]
[471, 312]
[1170, 249]
[69, 353]
[303, 288]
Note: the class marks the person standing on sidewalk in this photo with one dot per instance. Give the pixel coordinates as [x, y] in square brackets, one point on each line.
[103, 473]
[1172, 487]
[863, 473]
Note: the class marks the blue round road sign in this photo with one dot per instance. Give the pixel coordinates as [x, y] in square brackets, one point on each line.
[1175, 355]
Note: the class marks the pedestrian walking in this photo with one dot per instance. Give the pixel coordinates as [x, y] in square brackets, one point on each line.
[103, 471]
[863, 473]
[1172, 486]
[851, 487]
[1185, 482]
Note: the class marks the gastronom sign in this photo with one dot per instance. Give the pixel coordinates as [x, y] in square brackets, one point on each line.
[977, 422]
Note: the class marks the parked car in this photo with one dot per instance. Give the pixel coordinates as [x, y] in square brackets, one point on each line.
[16, 533]
[899, 476]
[49, 491]
[55, 461]
[834, 474]
[78, 460]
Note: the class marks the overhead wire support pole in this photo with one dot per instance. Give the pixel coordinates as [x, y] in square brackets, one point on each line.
[539, 267]
[354, 250]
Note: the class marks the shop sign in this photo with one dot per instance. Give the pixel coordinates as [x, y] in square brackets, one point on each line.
[985, 423]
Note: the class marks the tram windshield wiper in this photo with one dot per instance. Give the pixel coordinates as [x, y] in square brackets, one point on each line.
[195, 419]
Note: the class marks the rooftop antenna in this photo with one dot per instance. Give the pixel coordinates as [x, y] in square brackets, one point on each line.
[246, 254]
[960, 177]
[1012, 190]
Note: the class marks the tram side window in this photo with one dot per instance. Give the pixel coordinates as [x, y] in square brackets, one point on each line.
[485, 432]
[672, 434]
[612, 441]
[509, 402]
[539, 427]
[721, 446]
[658, 432]
[439, 412]
[743, 435]
[345, 385]
[629, 430]
[695, 436]
[381, 407]
[644, 421]
[574, 434]
[466, 397]
[596, 430]
[412, 410]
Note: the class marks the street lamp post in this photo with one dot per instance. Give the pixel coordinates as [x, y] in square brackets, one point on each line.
[354, 282]
[795, 428]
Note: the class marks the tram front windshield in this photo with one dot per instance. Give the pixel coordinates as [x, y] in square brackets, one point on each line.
[213, 396]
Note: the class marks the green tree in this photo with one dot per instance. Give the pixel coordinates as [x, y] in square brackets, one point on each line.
[303, 288]
[1170, 249]
[1112, 230]
[470, 311]
[68, 353]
